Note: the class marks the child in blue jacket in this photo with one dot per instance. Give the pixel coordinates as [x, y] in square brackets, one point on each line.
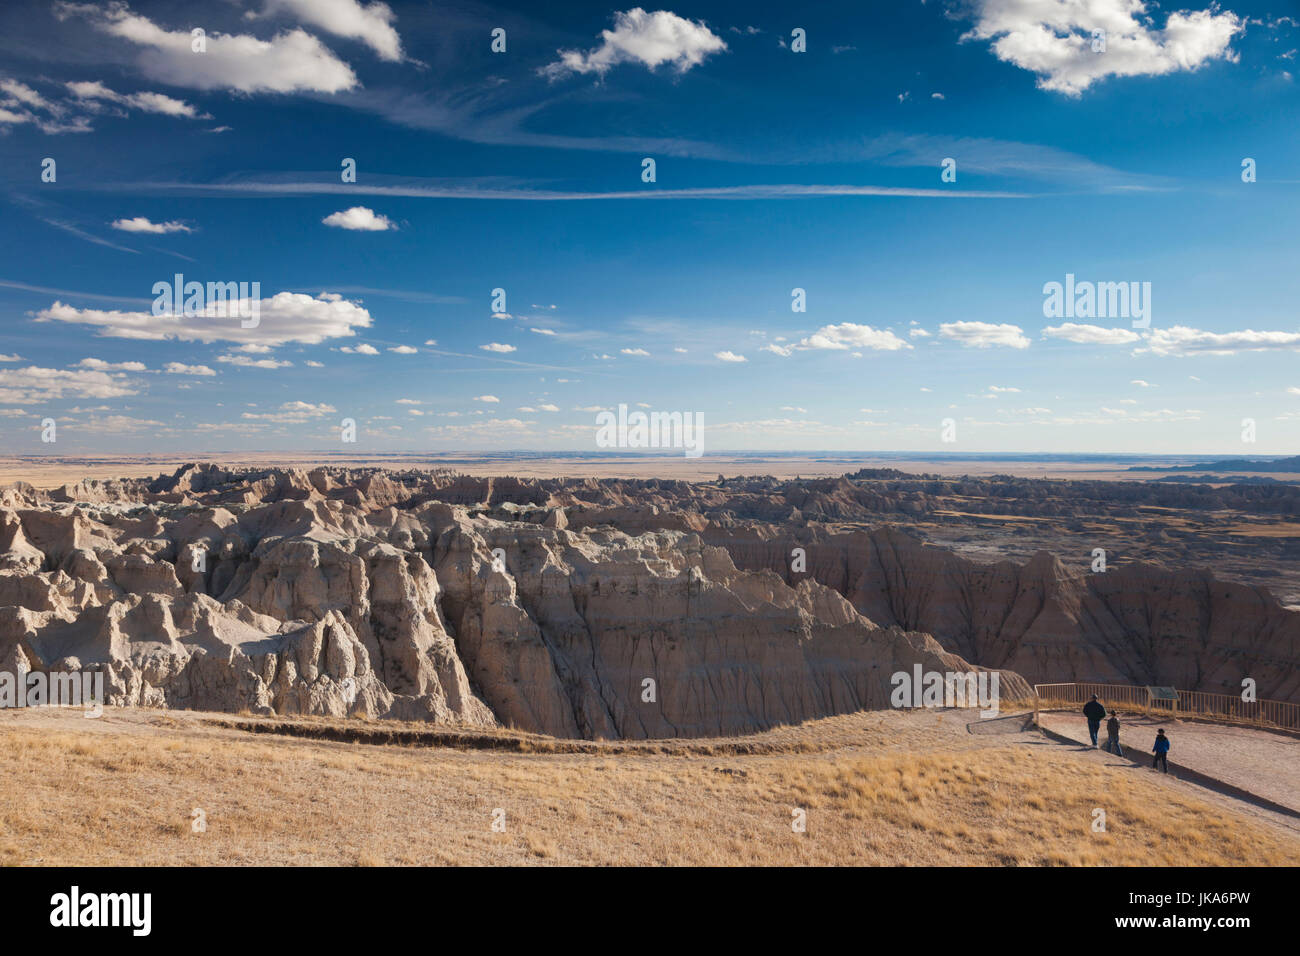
[1161, 751]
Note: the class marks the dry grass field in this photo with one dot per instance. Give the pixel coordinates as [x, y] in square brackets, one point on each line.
[879, 788]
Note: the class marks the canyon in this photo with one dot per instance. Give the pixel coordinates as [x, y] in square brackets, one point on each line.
[607, 608]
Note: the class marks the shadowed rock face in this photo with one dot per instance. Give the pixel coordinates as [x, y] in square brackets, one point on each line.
[1135, 624]
[339, 592]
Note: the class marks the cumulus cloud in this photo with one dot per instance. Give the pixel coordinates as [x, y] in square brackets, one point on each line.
[984, 335]
[176, 368]
[35, 385]
[363, 349]
[491, 399]
[848, 335]
[100, 365]
[497, 347]
[142, 224]
[1090, 334]
[243, 361]
[95, 92]
[10, 358]
[651, 39]
[359, 219]
[372, 23]
[289, 62]
[292, 413]
[404, 350]
[728, 356]
[1054, 39]
[1179, 340]
[637, 351]
[284, 317]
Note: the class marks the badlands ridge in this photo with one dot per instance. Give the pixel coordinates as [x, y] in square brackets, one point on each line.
[576, 607]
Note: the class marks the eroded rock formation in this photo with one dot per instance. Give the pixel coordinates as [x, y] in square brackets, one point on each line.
[424, 596]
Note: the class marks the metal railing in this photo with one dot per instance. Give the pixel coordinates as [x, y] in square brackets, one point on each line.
[1269, 713]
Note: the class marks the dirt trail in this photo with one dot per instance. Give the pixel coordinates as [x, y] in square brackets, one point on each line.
[1264, 764]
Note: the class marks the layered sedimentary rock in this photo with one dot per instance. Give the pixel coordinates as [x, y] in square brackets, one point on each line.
[428, 597]
[1134, 624]
[583, 607]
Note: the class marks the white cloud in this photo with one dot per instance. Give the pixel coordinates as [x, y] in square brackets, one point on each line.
[363, 349]
[359, 219]
[849, 335]
[141, 224]
[497, 347]
[1053, 39]
[289, 62]
[285, 317]
[651, 39]
[176, 368]
[312, 364]
[543, 331]
[999, 389]
[243, 361]
[984, 334]
[372, 23]
[95, 92]
[292, 413]
[728, 356]
[24, 95]
[782, 350]
[404, 350]
[491, 399]
[11, 358]
[1090, 334]
[680, 350]
[1142, 384]
[100, 365]
[919, 333]
[1179, 340]
[35, 385]
[549, 408]
[409, 401]
[634, 352]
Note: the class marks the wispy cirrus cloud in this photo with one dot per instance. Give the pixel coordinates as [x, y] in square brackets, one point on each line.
[469, 189]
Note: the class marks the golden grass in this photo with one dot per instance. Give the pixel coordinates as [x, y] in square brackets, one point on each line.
[124, 795]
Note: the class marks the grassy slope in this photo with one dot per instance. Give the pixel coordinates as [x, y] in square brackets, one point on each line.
[883, 788]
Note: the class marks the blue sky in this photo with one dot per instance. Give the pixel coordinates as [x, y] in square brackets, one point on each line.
[776, 169]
